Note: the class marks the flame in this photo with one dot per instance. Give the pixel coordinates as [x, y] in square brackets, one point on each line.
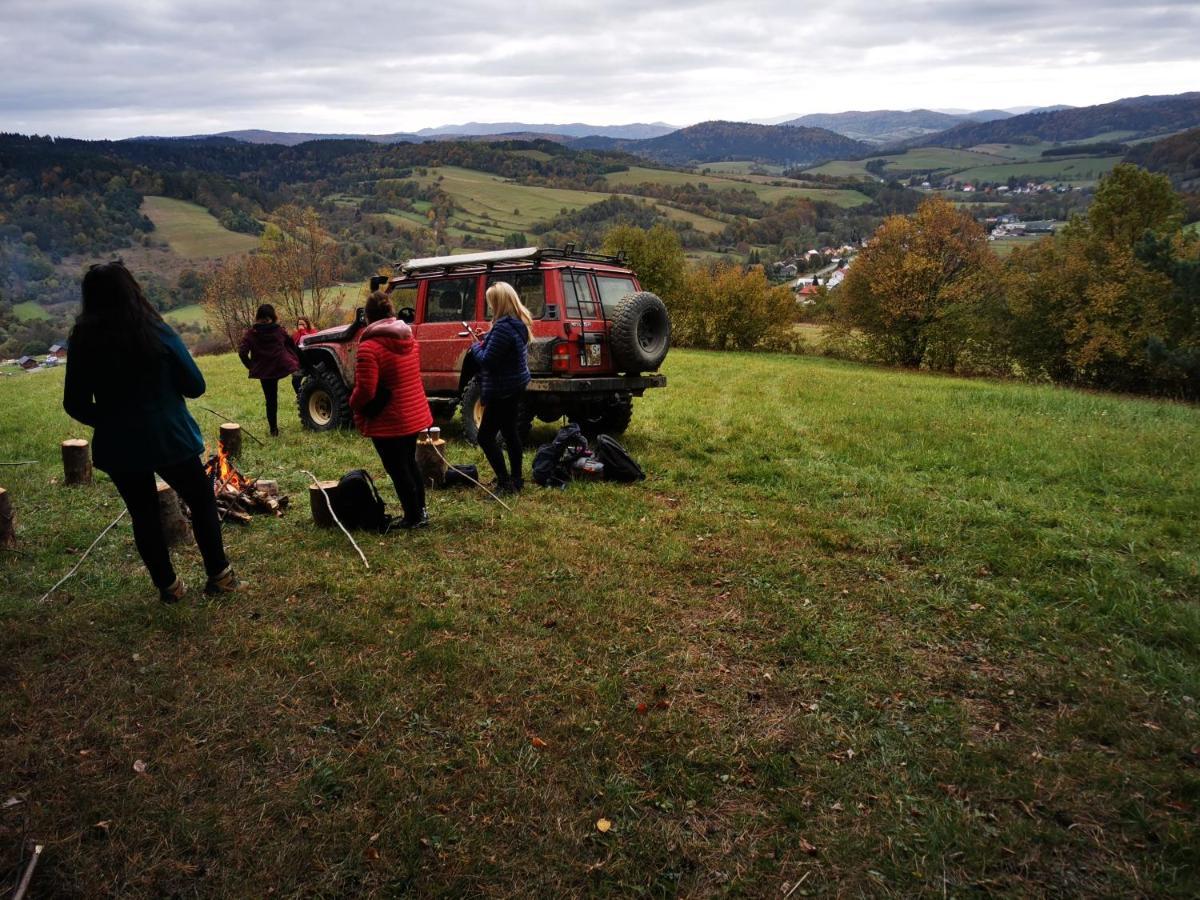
[225, 471]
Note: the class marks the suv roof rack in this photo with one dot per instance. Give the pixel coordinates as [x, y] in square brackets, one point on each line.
[489, 259]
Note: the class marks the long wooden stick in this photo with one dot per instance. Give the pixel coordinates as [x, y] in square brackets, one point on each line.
[225, 418]
[335, 518]
[24, 885]
[469, 478]
[75, 568]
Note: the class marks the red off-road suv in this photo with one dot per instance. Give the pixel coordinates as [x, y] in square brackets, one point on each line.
[596, 335]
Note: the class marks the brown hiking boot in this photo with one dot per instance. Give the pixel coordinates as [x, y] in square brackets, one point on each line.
[226, 582]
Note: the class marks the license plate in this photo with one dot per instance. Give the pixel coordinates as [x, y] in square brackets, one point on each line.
[591, 355]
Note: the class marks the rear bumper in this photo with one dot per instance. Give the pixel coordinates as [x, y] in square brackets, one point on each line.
[632, 385]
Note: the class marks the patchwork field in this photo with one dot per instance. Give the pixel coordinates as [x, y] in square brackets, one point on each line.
[1074, 170]
[860, 633]
[192, 231]
[29, 311]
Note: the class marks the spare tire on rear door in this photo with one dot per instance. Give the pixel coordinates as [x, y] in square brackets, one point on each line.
[639, 333]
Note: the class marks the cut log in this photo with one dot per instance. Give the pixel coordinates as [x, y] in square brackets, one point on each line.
[77, 462]
[170, 514]
[431, 460]
[231, 439]
[316, 500]
[268, 486]
[8, 523]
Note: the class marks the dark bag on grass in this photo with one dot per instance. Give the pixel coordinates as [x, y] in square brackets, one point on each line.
[357, 503]
[461, 476]
[552, 462]
[618, 464]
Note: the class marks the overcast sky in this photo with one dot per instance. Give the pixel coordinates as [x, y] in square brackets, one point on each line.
[117, 68]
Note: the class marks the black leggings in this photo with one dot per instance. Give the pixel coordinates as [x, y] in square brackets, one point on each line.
[399, 458]
[270, 388]
[500, 417]
[195, 488]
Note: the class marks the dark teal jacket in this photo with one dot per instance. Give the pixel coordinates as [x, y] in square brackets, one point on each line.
[140, 419]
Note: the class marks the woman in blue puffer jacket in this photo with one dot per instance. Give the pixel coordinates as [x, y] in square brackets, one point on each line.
[503, 358]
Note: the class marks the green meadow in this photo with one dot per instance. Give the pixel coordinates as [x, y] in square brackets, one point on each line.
[192, 231]
[859, 633]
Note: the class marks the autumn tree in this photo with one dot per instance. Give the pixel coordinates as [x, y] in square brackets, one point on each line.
[656, 254]
[724, 307]
[918, 290]
[303, 263]
[1111, 301]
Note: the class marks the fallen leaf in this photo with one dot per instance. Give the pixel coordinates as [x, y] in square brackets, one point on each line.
[538, 742]
[13, 801]
[139, 766]
[808, 848]
[603, 825]
[372, 854]
[642, 708]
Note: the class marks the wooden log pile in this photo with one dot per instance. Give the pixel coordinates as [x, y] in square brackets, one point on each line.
[238, 497]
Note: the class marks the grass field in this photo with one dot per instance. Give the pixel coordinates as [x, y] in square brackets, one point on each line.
[192, 231]
[762, 186]
[186, 315]
[1076, 170]
[510, 206]
[860, 633]
[28, 311]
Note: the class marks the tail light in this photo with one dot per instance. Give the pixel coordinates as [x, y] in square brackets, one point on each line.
[560, 360]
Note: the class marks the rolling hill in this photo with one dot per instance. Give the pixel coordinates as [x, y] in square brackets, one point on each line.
[1177, 156]
[1139, 116]
[880, 125]
[715, 141]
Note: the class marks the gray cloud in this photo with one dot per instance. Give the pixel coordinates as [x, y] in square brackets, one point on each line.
[119, 67]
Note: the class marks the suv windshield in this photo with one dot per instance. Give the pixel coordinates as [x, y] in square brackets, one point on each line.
[612, 288]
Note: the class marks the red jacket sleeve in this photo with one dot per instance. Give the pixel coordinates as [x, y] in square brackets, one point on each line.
[366, 377]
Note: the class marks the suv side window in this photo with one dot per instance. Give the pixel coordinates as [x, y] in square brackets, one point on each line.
[577, 291]
[530, 287]
[451, 300]
[612, 288]
[404, 301]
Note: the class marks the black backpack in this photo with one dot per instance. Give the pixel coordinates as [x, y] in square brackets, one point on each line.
[552, 462]
[618, 464]
[357, 503]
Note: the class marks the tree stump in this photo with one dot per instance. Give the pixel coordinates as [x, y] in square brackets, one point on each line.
[77, 462]
[170, 514]
[8, 522]
[316, 500]
[231, 439]
[431, 461]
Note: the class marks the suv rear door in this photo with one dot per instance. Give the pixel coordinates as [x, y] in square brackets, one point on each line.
[444, 305]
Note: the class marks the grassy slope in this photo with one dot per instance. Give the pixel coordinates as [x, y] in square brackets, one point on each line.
[29, 310]
[885, 633]
[192, 314]
[192, 231]
[761, 185]
[1083, 170]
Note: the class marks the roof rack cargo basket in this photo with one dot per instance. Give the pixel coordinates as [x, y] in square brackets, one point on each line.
[489, 259]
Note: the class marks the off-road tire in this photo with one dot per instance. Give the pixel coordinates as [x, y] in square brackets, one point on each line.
[612, 418]
[639, 333]
[472, 415]
[324, 400]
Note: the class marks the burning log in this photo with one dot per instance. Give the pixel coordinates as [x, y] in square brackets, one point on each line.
[77, 462]
[8, 530]
[239, 497]
[230, 440]
[175, 526]
[321, 514]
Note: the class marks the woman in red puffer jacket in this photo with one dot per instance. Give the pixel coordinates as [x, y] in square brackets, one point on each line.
[389, 402]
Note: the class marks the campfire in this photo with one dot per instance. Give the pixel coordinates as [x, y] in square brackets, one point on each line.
[239, 497]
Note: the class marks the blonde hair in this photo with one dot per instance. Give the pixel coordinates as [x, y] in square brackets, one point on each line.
[503, 299]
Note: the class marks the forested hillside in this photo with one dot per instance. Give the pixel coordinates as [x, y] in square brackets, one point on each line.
[713, 141]
[1137, 115]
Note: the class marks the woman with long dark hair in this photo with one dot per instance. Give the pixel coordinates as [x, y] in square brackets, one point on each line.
[269, 354]
[503, 357]
[127, 375]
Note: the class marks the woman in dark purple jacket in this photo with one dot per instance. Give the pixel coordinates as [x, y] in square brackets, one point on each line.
[270, 354]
